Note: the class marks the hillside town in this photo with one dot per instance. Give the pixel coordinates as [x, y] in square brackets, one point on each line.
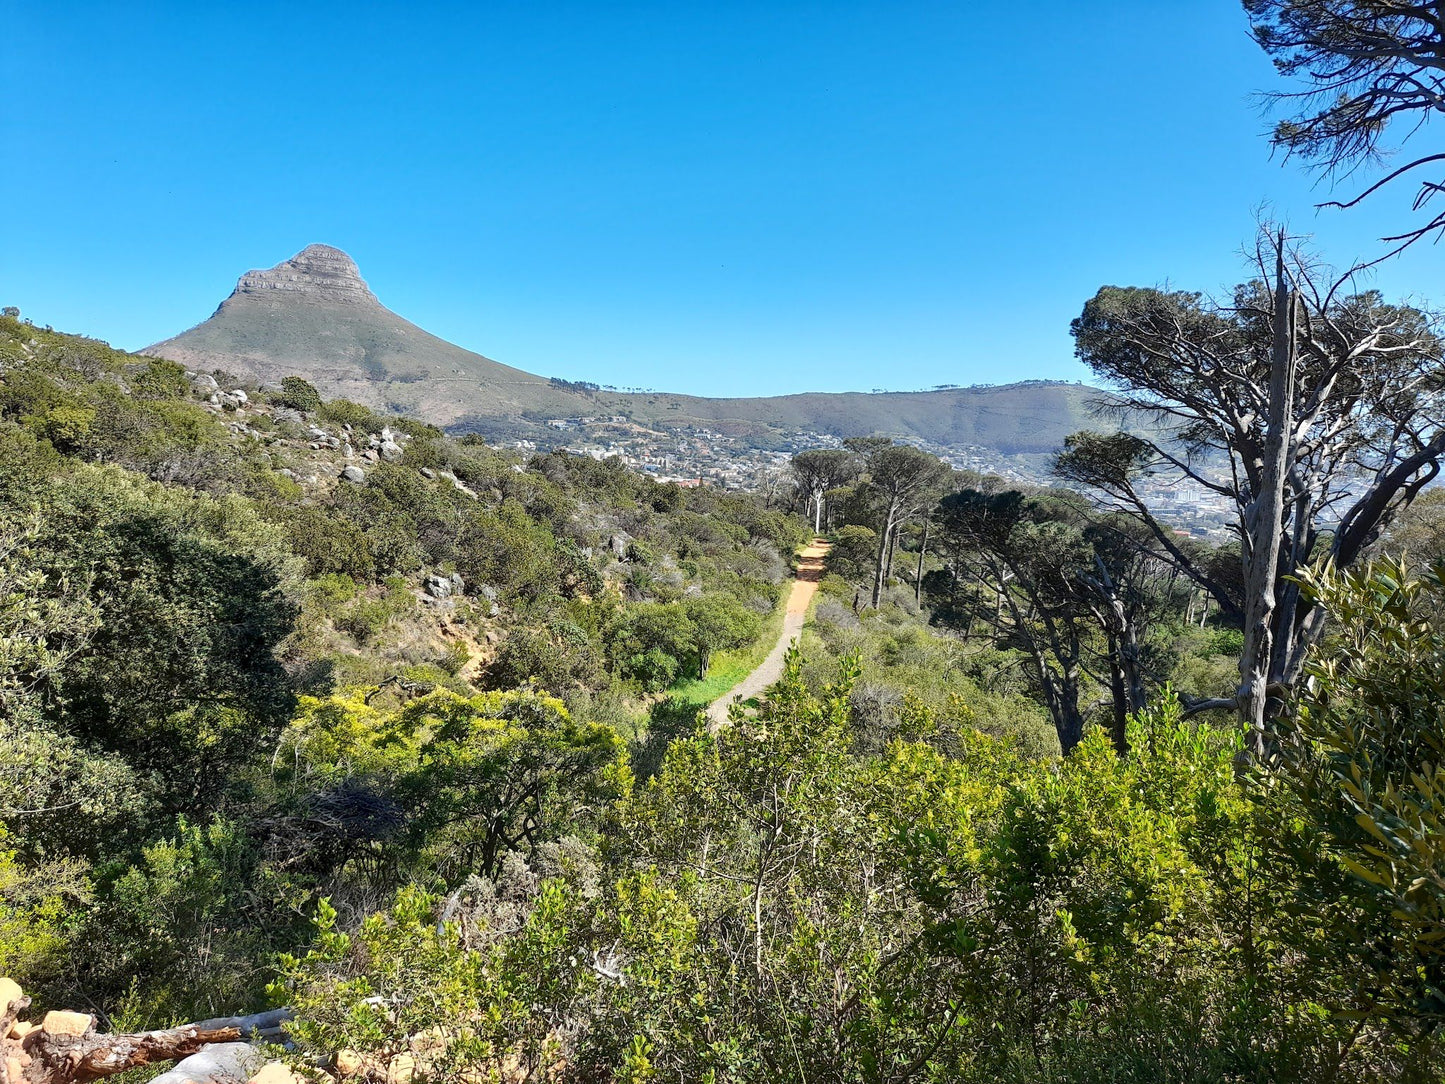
[694, 455]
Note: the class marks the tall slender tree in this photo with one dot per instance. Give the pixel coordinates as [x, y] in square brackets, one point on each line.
[1013, 565]
[904, 480]
[817, 471]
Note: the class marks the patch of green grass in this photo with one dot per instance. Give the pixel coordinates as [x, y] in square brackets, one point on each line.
[730, 667]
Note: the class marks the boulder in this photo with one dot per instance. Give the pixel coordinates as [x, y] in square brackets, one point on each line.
[428, 474]
[370, 455]
[9, 992]
[204, 382]
[349, 1063]
[274, 1072]
[401, 1069]
[438, 586]
[219, 1063]
[390, 450]
[618, 545]
[352, 473]
[61, 1022]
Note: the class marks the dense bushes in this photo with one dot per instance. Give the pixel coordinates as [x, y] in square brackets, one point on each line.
[775, 905]
[234, 701]
[173, 579]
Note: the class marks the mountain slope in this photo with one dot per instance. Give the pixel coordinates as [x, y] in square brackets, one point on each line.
[313, 316]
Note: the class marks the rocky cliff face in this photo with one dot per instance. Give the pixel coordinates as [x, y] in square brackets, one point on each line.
[317, 273]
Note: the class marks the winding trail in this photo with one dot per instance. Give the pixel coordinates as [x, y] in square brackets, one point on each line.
[805, 586]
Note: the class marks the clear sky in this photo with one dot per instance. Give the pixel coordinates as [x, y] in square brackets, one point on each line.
[722, 198]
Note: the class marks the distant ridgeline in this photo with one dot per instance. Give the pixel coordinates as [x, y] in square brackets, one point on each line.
[313, 316]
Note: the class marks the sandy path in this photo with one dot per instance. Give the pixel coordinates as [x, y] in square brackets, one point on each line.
[810, 571]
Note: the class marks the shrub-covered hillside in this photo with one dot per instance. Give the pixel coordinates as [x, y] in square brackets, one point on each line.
[198, 578]
[301, 707]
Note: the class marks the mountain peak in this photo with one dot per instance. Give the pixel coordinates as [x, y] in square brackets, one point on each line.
[316, 273]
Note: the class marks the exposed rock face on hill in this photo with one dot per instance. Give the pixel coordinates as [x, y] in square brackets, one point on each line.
[317, 273]
[313, 316]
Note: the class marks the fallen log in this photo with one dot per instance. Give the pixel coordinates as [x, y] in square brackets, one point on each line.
[70, 1054]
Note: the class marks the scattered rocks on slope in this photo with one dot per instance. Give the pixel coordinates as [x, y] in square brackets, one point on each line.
[488, 594]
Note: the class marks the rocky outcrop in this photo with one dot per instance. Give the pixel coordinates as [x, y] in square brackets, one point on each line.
[316, 273]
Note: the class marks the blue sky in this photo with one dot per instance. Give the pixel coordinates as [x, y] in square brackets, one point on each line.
[723, 198]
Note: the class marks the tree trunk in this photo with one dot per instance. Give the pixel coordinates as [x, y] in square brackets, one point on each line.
[918, 579]
[883, 553]
[1118, 691]
[1133, 666]
[1264, 519]
[1068, 719]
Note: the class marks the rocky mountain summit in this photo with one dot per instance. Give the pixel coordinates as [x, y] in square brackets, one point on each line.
[317, 273]
[314, 316]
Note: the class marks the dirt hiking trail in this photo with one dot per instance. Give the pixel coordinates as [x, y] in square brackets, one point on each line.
[805, 586]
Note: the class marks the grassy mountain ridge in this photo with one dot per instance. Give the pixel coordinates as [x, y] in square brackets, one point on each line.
[1012, 418]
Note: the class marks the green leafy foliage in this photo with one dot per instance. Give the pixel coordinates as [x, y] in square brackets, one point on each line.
[299, 394]
[1362, 770]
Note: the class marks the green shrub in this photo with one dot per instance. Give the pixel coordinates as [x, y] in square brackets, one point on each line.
[299, 394]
